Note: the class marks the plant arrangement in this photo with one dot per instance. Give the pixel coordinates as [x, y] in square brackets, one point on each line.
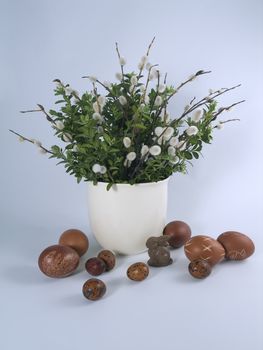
[122, 132]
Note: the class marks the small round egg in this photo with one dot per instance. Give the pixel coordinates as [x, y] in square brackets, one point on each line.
[179, 233]
[94, 289]
[138, 271]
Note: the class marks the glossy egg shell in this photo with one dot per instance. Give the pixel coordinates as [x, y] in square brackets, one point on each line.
[238, 246]
[205, 248]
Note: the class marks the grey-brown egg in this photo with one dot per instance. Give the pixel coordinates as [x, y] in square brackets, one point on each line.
[238, 246]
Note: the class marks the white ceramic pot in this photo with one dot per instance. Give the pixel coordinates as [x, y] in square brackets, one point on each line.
[123, 218]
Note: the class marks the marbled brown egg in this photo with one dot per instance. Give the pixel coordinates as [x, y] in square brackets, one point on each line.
[94, 289]
[179, 233]
[75, 239]
[205, 248]
[95, 266]
[109, 258]
[58, 261]
[138, 271]
[237, 245]
[199, 268]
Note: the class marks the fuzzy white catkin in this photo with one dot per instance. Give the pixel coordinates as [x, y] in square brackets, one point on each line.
[123, 100]
[118, 76]
[134, 80]
[141, 66]
[181, 145]
[173, 141]
[160, 140]
[75, 148]
[127, 142]
[175, 160]
[161, 88]
[148, 65]
[144, 150]
[67, 137]
[122, 61]
[197, 116]
[144, 59]
[96, 168]
[220, 126]
[59, 124]
[171, 150]
[21, 139]
[103, 169]
[192, 130]
[42, 151]
[158, 101]
[158, 130]
[96, 107]
[96, 116]
[102, 100]
[107, 84]
[93, 79]
[168, 133]
[131, 156]
[147, 99]
[131, 89]
[142, 88]
[155, 150]
[37, 143]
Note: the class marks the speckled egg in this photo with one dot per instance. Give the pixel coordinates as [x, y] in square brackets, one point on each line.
[109, 258]
[205, 248]
[75, 239]
[138, 271]
[94, 289]
[95, 266]
[199, 268]
[237, 245]
[58, 261]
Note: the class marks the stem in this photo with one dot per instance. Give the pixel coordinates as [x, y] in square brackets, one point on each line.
[147, 55]
[118, 53]
[41, 109]
[26, 139]
[226, 109]
[204, 100]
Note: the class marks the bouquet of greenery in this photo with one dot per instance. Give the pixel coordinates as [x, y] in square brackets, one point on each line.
[124, 134]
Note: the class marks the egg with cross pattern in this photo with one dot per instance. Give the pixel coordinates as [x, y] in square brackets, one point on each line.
[205, 248]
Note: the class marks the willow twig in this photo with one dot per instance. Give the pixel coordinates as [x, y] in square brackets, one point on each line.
[41, 109]
[28, 140]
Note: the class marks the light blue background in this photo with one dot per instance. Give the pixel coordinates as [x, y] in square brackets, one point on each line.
[43, 40]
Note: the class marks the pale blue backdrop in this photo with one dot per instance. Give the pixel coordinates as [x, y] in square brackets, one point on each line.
[43, 40]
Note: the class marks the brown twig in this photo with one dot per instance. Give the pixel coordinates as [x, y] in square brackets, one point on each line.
[118, 53]
[26, 139]
[41, 109]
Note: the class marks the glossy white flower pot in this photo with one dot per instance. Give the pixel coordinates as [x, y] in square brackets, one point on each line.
[123, 218]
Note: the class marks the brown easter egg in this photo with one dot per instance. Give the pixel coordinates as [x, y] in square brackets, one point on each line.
[237, 245]
[93, 289]
[95, 266]
[75, 239]
[179, 233]
[58, 261]
[109, 258]
[205, 248]
[138, 271]
[199, 268]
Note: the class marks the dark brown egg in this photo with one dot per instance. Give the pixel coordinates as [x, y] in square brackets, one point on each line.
[205, 248]
[109, 258]
[58, 261]
[138, 271]
[179, 233]
[95, 266]
[75, 239]
[93, 289]
[237, 245]
[199, 268]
